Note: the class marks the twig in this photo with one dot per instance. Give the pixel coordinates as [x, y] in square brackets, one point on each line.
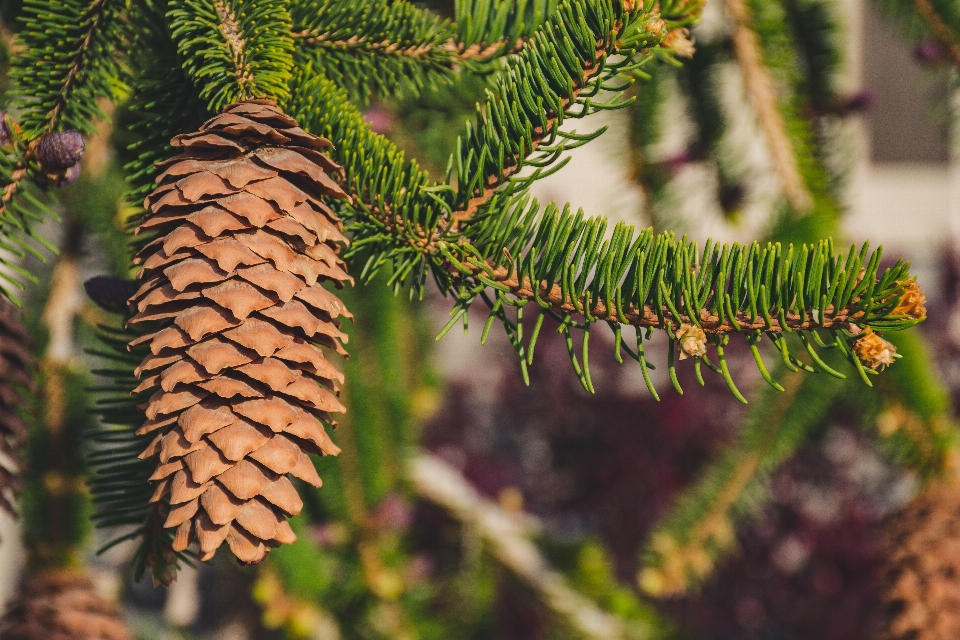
[939, 29]
[763, 97]
[648, 316]
[456, 52]
[427, 241]
[438, 482]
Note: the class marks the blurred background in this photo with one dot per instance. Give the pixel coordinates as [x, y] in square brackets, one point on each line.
[468, 505]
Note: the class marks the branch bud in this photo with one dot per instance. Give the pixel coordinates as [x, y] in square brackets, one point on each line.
[874, 351]
[913, 302]
[693, 341]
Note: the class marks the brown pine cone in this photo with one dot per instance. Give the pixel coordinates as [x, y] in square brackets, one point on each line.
[234, 289]
[60, 150]
[15, 362]
[62, 604]
[920, 594]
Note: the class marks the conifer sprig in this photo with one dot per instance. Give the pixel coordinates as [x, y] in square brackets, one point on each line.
[234, 49]
[488, 28]
[400, 215]
[22, 210]
[164, 102]
[72, 57]
[396, 48]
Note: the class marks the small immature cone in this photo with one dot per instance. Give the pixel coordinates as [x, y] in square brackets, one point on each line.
[920, 592]
[874, 351]
[60, 150]
[61, 604]
[693, 341]
[15, 363]
[233, 293]
[913, 302]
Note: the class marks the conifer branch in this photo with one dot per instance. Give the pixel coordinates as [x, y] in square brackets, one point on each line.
[17, 176]
[395, 49]
[420, 51]
[403, 50]
[662, 318]
[763, 97]
[119, 482]
[59, 87]
[234, 49]
[21, 212]
[56, 87]
[489, 28]
[237, 46]
[96, 14]
[163, 102]
[484, 233]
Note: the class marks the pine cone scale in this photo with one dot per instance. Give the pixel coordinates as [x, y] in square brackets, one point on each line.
[235, 279]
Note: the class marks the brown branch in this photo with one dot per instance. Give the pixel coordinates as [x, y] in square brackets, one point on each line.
[939, 28]
[647, 316]
[456, 51]
[384, 47]
[763, 97]
[485, 50]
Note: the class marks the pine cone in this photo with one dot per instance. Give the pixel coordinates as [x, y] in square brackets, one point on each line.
[60, 150]
[920, 597]
[15, 361]
[62, 604]
[234, 283]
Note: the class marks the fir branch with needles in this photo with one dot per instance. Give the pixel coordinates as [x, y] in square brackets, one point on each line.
[59, 87]
[55, 87]
[163, 100]
[395, 47]
[477, 233]
[484, 240]
[489, 28]
[23, 208]
[234, 49]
